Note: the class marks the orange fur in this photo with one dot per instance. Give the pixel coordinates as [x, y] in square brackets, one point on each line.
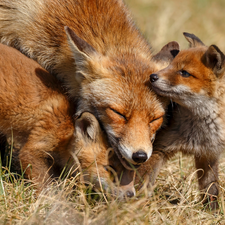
[102, 59]
[34, 110]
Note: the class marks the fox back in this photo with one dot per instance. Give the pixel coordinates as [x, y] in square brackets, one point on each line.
[102, 59]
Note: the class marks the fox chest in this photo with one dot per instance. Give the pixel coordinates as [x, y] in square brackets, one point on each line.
[200, 135]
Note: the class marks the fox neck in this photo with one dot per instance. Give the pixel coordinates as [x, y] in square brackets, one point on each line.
[200, 107]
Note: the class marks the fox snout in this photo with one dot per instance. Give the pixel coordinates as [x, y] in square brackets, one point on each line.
[134, 158]
[131, 156]
[153, 77]
[139, 156]
[132, 139]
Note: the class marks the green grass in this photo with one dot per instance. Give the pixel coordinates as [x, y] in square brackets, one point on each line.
[175, 198]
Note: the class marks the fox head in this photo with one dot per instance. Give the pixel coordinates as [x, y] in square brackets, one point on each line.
[99, 163]
[115, 88]
[90, 149]
[194, 76]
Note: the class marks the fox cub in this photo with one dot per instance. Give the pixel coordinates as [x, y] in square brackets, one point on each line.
[195, 80]
[34, 110]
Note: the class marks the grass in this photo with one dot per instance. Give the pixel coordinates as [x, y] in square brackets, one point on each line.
[175, 199]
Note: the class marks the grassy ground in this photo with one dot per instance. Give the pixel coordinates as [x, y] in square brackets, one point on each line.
[176, 197]
[175, 200]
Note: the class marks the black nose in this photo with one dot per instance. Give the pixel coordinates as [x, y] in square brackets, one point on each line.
[139, 156]
[130, 194]
[154, 77]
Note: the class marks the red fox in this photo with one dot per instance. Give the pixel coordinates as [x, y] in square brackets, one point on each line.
[195, 81]
[35, 111]
[102, 59]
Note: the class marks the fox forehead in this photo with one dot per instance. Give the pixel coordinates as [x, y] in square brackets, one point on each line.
[189, 59]
[122, 84]
[125, 97]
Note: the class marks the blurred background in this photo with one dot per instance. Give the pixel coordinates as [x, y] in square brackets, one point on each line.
[162, 21]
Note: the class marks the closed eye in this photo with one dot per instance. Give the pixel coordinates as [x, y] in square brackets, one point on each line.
[118, 113]
[156, 119]
[153, 138]
[155, 124]
[184, 73]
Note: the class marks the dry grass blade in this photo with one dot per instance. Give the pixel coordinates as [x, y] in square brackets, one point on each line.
[175, 200]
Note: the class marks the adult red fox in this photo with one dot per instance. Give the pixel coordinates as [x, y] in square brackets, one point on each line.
[34, 110]
[102, 59]
[195, 81]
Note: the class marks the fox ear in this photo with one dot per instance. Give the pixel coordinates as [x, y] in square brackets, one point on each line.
[168, 52]
[214, 59]
[87, 126]
[193, 40]
[82, 52]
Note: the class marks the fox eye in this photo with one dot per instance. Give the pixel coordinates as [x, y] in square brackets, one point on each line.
[120, 114]
[184, 73]
[155, 124]
[156, 119]
[153, 138]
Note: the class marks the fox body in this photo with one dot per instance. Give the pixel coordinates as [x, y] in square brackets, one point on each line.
[102, 59]
[195, 81]
[36, 113]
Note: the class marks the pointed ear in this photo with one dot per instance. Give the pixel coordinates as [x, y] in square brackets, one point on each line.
[214, 59]
[82, 52]
[168, 52]
[79, 44]
[87, 126]
[193, 40]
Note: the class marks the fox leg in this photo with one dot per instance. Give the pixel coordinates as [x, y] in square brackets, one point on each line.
[208, 180]
[35, 164]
